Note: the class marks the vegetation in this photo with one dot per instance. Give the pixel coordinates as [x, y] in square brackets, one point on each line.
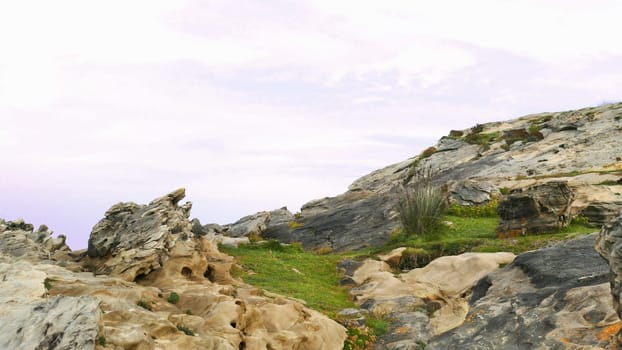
[482, 139]
[474, 211]
[101, 340]
[359, 338]
[47, 284]
[186, 330]
[289, 270]
[173, 298]
[144, 305]
[423, 206]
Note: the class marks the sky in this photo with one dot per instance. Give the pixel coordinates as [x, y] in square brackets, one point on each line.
[255, 105]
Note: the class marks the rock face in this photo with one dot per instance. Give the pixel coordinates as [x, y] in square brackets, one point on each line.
[609, 246]
[542, 300]
[157, 285]
[535, 209]
[423, 302]
[600, 213]
[20, 241]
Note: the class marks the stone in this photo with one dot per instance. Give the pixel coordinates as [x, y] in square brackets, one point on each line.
[19, 241]
[258, 223]
[471, 192]
[599, 213]
[535, 209]
[424, 302]
[552, 298]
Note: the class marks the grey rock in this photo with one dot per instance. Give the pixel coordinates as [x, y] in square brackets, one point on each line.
[599, 213]
[553, 298]
[535, 209]
[258, 223]
[471, 192]
[353, 220]
[19, 241]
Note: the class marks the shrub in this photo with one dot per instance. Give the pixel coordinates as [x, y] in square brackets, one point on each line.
[173, 298]
[413, 258]
[101, 340]
[47, 284]
[422, 207]
[186, 330]
[144, 305]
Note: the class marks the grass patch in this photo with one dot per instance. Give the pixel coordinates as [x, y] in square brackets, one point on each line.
[144, 305]
[474, 211]
[186, 330]
[477, 234]
[292, 272]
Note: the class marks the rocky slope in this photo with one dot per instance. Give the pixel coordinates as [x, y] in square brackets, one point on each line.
[147, 281]
[580, 147]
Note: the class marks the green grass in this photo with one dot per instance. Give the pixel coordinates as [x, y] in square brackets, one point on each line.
[478, 234]
[273, 268]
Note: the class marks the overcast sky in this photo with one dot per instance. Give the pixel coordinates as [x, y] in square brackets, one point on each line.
[254, 105]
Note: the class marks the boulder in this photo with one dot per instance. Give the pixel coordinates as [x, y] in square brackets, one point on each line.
[258, 223]
[552, 298]
[599, 213]
[471, 192]
[535, 209]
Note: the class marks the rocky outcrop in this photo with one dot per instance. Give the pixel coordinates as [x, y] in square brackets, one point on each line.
[19, 241]
[536, 209]
[353, 220]
[423, 302]
[157, 284]
[553, 298]
[609, 246]
[581, 147]
[258, 223]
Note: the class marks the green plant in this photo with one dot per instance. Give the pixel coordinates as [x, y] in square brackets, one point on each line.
[188, 312]
[173, 298]
[186, 330]
[144, 305]
[101, 340]
[47, 284]
[475, 211]
[359, 337]
[533, 128]
[422, 207]
[504, 190]
[378, 325]
[413, 258]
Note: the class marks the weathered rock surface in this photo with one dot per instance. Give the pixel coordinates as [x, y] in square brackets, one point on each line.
[157, 285]
[19, 241]
[553, 298]
[609, 246]
[258, 223]
[535, 209]
[423, 302]
[600, 213]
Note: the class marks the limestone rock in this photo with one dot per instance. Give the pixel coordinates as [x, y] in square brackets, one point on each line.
[30, 320]
[542, 300]
[609, 246]
[536, 209]
[423, 302]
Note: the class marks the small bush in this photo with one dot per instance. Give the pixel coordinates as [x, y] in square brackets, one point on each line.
[186, 330]
[144, 305]
[423, 206]
[504, 190]
[47, 284]
[173, 298]
[101, 340]
[359, 338]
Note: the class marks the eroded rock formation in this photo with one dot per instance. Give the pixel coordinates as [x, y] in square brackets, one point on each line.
[156, 285]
